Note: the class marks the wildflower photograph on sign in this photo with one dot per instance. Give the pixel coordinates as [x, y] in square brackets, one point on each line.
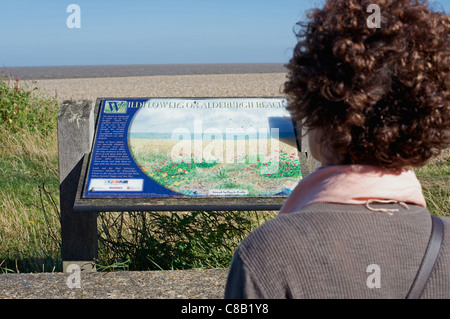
[235, 148]
[210, 147]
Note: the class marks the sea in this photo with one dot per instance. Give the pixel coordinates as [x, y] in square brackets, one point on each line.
[96, 71]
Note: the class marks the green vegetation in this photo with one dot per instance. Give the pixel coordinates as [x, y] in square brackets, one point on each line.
[435, 179]
[29, 212]
[287, 165]
[29, 203]
[21, 109]
[183, 240]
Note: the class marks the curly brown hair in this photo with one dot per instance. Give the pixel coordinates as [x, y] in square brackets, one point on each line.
[381, 96]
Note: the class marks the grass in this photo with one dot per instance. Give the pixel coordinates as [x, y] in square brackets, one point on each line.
[29, 214]
[29, 204]
[157, 241]
[435, 179]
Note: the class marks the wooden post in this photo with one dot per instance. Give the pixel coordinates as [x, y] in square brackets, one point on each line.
[78, 230]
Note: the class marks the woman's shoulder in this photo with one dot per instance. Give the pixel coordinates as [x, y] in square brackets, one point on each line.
[326, 221]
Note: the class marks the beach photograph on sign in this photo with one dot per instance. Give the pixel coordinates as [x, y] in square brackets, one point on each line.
[186, 147]
[217, 147]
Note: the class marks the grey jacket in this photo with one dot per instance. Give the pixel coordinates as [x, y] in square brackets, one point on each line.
[339, 251]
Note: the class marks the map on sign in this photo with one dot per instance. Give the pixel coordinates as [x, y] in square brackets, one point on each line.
[193, 148]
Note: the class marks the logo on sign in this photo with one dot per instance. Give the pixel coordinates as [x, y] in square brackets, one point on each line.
[116, 182]
[115, 107]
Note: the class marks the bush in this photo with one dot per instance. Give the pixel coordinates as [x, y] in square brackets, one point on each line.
[21, 109]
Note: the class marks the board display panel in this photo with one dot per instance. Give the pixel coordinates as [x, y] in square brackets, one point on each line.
[190, 153]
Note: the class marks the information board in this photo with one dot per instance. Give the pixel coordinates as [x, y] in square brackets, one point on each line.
[192, 148]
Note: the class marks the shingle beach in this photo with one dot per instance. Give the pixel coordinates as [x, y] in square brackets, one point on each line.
[220, 85]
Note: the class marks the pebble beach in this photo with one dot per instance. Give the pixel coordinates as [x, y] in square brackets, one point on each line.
[202, 85]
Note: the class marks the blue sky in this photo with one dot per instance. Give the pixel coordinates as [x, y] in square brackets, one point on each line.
[34, 33]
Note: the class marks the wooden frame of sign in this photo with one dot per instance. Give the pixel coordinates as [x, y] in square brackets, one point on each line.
[187, 154]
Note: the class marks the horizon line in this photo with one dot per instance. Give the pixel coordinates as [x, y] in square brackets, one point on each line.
[124, 70]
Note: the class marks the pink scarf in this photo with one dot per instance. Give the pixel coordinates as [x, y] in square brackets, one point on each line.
[355, 184]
